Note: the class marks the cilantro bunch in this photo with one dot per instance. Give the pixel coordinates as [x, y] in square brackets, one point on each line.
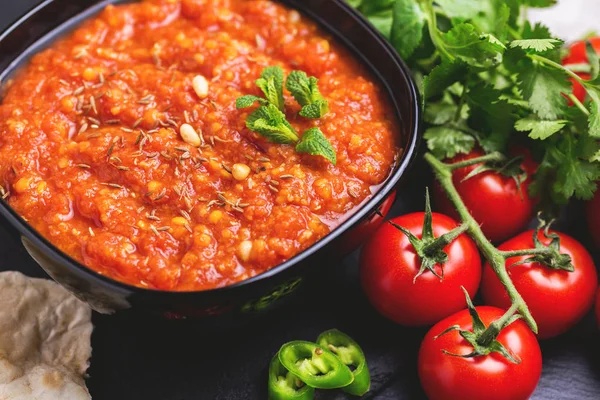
[269, 119]
[491, 79]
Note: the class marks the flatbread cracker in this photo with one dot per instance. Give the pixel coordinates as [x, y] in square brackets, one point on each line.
[45, 340]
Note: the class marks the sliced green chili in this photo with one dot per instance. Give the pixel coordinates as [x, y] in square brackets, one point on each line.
[349, 353]
[314, 365]
[283, 385]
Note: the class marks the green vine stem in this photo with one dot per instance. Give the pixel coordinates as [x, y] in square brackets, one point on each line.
[495, 257]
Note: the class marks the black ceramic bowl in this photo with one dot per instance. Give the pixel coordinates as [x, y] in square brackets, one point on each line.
[235, 302]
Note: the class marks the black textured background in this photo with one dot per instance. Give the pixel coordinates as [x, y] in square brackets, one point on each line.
[173, 360]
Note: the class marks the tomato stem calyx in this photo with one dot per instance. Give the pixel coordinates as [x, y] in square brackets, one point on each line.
[429, 248]
[549, 256]
[482, 338]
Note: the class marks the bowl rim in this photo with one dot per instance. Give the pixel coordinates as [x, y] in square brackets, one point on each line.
[406, 158]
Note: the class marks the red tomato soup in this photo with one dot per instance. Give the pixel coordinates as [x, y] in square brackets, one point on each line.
[92, 157]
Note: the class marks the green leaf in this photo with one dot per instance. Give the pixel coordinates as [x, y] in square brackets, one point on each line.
[594, 119]
[407, 28]
[315, 143]
[490, 15]
[544, 87]
[269, 122]
[306, 92]
[536, 45]
[248, 101]
[539, 129]
[439, 113]
[383, 22]
[354, 3]
[593, 59]
[539, 3]
[271, 83]
[316, 110]
[443, 76]
[447, 142]
[463, 41]
[489, 113]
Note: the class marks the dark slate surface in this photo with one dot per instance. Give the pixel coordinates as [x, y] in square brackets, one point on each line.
[136, 358]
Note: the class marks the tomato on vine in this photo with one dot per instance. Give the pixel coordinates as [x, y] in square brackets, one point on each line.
[500, 203]
[458, 360]
[413, 267]
[559, 288]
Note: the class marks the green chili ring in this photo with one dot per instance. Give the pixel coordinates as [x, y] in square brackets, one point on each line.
[283, 385]
[349, 353]
[315, 366]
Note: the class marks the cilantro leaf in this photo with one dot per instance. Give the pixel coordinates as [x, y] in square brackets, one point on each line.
[491, 15]
[383, 22]
[465, 43]
[539, 3]
[488, 112]
[271, 83]
[315, 143]
[544, 87]
[443, 76]
[269, 122]
[539, 129]
[248, 101]
[407, 28]
[446, 142]
[354, 3]
[593, 60]
[306, 92]
[536, 45]
[594, 118]
[440, 113]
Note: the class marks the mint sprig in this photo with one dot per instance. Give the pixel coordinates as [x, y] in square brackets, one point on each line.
[269, 119]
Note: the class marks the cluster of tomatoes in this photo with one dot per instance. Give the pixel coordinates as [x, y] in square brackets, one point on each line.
[556, 298]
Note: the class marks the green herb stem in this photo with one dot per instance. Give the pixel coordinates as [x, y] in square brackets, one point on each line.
[495, 257]
[556, 65]
[491, 157]
[579, 104]
[434, 32]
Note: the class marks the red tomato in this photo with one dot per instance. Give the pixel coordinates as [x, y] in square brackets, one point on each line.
[491, 377]
[389, 264]
[592, 212]
[495, 201]
[557, 299]
[577, 55]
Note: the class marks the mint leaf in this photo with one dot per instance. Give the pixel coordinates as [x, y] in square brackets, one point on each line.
[269, 122]
[539, 129]
[306, 92]
[446, 142]
[407, 28]
[443, 76]
[248, 101]
[543, 88]
[315, 110]
[271, 83]
[536, 45]
[315, 143]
